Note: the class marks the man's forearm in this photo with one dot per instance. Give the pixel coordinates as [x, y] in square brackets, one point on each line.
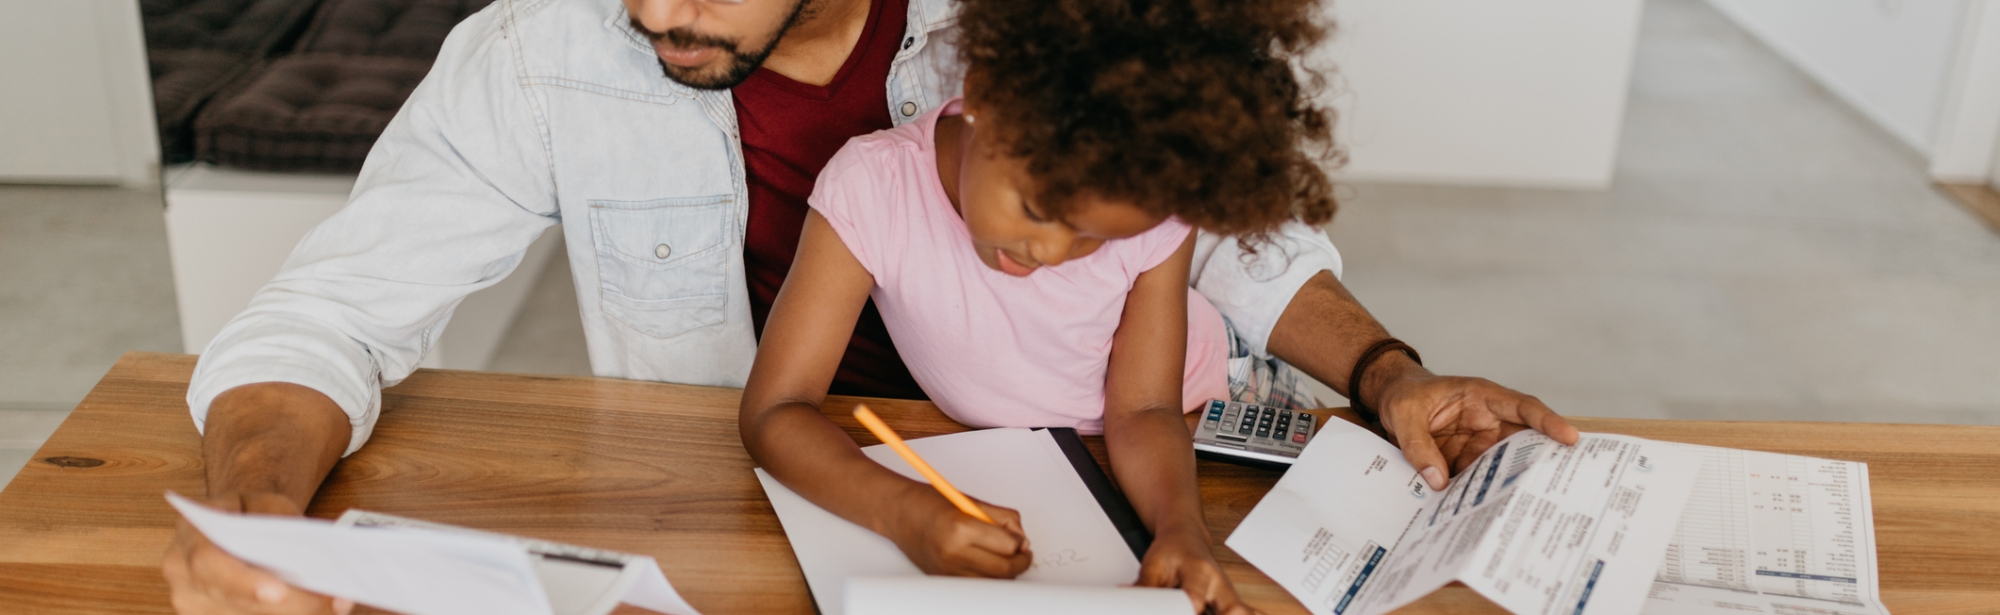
[1324, 330]
[272, 437]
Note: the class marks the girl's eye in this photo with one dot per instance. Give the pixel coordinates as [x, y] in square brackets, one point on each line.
[1030, 212]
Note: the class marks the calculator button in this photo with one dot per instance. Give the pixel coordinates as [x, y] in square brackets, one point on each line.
[1299, 438]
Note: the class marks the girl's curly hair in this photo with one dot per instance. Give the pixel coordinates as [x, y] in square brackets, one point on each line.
[1189, 108]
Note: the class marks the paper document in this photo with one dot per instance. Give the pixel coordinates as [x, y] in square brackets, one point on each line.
[420, 568]
[1075, 543]
[959, 596]
[1537, 527]
[577, 580]
[1771, 533]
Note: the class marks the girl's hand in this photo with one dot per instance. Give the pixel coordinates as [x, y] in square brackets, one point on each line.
[940, 539]
[1183, 559]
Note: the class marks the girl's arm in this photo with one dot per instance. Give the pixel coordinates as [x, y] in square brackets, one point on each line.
[780, 421]
[1152, 452]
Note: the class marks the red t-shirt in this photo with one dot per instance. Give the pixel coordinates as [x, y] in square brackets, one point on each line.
[790, 130]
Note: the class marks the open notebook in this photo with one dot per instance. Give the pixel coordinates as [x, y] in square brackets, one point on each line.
[1082, 529]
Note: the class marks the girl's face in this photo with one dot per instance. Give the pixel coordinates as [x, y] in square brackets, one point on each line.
[1008, 229]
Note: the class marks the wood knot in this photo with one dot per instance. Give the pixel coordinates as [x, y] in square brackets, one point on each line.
[74, 462]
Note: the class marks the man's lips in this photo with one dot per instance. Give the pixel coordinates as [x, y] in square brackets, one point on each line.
[1010, 266]
[687, 58]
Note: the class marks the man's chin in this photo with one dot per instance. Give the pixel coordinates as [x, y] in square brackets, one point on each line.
[722, 74]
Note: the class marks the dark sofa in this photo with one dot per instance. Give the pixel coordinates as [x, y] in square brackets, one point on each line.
[289, 85]
[196, 47]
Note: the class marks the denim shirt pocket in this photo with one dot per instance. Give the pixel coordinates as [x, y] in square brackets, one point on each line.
[664, 263]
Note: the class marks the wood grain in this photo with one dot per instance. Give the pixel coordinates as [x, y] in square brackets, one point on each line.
[659, 469]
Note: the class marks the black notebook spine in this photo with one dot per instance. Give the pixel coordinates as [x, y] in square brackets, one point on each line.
[1108, 496]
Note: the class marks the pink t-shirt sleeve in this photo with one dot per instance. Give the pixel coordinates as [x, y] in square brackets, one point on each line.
[1158, 243]
[854, 195]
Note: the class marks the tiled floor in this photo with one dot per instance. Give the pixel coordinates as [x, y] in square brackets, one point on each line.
[1764, 253]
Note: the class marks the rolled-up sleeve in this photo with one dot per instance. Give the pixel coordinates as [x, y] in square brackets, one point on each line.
[447, 203]
[1251, 289]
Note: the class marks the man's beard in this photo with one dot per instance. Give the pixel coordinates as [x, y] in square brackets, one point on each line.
[737, 65]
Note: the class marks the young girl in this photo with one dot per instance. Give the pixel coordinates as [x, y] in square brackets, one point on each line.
[1029, 249]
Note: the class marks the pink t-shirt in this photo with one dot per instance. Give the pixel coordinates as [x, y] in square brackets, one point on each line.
[994, 350]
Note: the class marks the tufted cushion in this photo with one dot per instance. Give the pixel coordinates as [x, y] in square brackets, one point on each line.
[182, 81]
[309, 112]
[250, 27]
[403, 28]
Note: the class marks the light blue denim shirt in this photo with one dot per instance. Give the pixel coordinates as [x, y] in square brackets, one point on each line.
[539, 112]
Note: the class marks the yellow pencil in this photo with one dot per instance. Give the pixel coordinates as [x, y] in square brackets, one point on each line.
[895, 442]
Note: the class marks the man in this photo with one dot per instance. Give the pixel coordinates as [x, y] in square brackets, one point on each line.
[681, 198]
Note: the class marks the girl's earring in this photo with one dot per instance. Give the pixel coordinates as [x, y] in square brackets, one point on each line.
[969, 119]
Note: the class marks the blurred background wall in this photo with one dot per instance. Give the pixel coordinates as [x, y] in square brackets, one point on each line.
[77, 105]
[1512, 93]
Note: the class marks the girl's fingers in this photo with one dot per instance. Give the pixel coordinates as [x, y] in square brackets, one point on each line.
[990, 564]
[998, 550]
[1002, 549]
[1012, 539]
[1156, 575]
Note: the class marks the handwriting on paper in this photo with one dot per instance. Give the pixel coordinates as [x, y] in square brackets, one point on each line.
[1060, 559]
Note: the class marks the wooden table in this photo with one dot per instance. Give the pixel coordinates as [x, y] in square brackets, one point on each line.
[658, 469]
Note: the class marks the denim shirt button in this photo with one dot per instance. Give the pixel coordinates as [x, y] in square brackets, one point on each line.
[909, 109]
[909, 41]
[662, 251]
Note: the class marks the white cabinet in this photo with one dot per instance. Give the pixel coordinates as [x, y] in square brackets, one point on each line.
[228, 232]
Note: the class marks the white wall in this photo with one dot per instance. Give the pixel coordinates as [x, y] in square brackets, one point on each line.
[1495, 92]
[1891, 59]
[77, 105]
[1968, 128]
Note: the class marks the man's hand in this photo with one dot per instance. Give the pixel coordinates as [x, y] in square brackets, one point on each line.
[1437, 420]
[1440, 420]
[267, 448]
[209, 581]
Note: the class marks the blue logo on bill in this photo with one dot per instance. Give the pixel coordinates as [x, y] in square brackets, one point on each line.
[1418, 489]
[1644, 464]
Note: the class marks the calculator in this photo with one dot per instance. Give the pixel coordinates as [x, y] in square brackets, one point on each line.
[1249, 434]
